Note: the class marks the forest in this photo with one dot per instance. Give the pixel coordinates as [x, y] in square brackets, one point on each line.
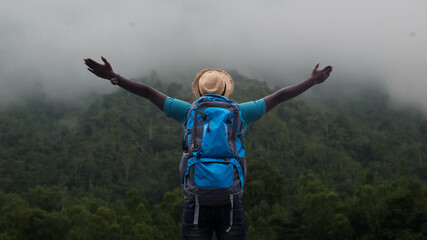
[318, 167]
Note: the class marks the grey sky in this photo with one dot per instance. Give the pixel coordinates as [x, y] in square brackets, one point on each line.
[42, 43]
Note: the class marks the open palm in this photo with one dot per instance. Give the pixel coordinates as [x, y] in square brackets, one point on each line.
[100, 70]
[319, 76]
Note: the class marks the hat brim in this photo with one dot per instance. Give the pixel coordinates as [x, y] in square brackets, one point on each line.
[229, 84]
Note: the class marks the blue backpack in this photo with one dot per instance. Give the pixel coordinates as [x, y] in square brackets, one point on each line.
[213, 166]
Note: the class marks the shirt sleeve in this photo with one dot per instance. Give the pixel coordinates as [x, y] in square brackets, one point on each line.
[252, 111]
[176, 109]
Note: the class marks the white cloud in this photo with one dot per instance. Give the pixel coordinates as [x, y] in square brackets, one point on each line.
[45, 41]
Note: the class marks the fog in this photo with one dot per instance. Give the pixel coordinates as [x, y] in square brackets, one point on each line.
[43, 43]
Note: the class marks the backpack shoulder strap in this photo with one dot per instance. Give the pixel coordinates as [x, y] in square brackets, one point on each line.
[193, 105]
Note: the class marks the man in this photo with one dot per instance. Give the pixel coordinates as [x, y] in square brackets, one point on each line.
[210, 82]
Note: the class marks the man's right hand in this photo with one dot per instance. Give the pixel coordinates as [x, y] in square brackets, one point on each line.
[101, 70]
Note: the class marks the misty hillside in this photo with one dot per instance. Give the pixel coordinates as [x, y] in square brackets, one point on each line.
[318, 168]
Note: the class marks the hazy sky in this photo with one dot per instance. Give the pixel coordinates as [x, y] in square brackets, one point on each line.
[43, 42]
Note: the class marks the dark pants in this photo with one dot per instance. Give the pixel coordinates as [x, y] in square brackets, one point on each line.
[214, 219]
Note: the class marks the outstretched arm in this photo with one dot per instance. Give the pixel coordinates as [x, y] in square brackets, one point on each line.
[284, 94]
[106, 71]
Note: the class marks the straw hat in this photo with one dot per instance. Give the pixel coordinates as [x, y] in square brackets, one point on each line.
[212, 81]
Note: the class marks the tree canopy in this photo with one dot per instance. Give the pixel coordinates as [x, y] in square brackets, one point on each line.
[317, 169]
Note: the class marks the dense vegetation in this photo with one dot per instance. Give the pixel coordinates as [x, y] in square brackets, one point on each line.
[323, 169]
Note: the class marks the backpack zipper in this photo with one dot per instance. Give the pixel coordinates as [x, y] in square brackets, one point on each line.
[205, 117]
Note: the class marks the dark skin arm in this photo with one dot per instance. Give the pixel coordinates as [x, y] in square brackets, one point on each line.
[106, 71]
[158, 98]
[284, 94]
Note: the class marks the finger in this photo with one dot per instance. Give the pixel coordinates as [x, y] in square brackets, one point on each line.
[105, 61]
[89, 64]
[327, 68]
[314, 71]
[91, 70]
[93, 63]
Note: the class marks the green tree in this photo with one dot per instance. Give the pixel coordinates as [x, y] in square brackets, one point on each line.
[167, 215]
[320, 213]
